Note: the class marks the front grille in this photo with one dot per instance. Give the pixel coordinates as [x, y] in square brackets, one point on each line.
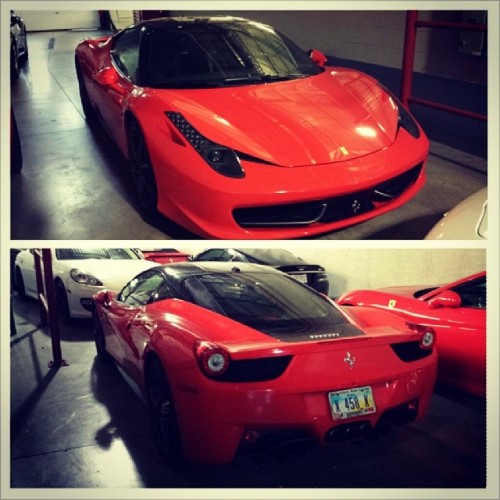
[327, 210]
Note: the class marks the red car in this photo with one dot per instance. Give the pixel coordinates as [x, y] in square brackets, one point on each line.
[234, 357]
[234, 132]
[456, 311]
[164, 255]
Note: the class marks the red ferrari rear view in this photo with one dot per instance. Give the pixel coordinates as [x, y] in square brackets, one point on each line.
[234, 132]
[232, 360]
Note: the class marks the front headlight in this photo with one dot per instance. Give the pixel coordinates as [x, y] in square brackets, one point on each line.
[405, 119]
[84, 278]
[223, 160]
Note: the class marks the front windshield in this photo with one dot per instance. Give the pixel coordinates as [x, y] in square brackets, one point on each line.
[95, 253]
[222, 53]
[272, 303]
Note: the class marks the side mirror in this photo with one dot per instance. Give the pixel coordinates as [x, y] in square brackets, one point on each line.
[318, 57]
[108, 298]
[448, 298]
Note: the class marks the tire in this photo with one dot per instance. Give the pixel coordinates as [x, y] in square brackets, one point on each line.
[19, 283]
[16, 154]
[14, 62]
[24, 57]
[100, 340]
[62, 301]
[163, 416]
[143, 177]
[88, 109]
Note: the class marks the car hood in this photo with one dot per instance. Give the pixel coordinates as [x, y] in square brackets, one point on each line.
[112, 273]
[335, 116]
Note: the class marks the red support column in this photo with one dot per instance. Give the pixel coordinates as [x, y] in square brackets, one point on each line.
[408, 55]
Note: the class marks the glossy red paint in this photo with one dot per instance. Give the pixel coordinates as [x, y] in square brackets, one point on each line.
[215, 416]
[460, 327]
[164, 255]
[317, 138]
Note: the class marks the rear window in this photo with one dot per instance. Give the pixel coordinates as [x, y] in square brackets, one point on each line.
[95, 253]
[271, 303]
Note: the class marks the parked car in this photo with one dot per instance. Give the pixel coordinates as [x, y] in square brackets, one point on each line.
[231, 357]
[16, 153]
[234, 132]
[456, 311]
[78, 274]
[311, 274]
[164, 255]
[18, 44]
[467, 221]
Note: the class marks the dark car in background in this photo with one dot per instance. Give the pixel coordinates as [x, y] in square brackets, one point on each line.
[311, 274]
[18, 44]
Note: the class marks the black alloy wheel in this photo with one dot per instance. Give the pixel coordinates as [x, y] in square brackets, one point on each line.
[88, 109]
[19, 284]
[62, 301]
[99, 339]
[14, 62]
[163, 416]
[143, 177]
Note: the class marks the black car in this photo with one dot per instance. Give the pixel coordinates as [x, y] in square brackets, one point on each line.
[18, 44]
[310, 274]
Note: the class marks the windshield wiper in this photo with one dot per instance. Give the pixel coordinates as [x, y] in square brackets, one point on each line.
[262, 78]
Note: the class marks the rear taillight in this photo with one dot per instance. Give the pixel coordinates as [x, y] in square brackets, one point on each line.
[212, 359]
[427, 335]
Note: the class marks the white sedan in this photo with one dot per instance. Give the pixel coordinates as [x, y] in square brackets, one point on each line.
[78, 274]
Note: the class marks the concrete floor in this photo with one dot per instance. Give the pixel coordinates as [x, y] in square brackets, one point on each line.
[74, 183]
[81, 426]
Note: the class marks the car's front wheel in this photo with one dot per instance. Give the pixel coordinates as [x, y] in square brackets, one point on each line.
[100, 340]
[141, 169]
[88, 109]
[163, 415]
[19, 283]
[14, 62]
[62, 301]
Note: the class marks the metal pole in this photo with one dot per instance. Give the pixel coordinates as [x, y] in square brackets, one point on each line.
[52, 309]
[408, 55]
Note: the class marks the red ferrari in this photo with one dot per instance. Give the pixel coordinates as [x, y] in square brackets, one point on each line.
[456, 311]
[234, 132]
[233, 358]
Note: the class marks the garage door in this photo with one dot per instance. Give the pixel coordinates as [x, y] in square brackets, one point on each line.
[59, 20]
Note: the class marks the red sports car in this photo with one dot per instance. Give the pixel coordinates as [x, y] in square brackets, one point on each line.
[456, 311]
[234, 132]
[232, 358]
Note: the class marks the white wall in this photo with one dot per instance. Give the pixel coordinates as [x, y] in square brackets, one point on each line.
[50, 20]
[374, 37]
[351, 268]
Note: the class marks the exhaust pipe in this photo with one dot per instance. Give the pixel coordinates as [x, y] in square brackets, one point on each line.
[348, 432]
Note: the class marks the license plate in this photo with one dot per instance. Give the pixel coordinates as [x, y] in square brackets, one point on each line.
[351, 402]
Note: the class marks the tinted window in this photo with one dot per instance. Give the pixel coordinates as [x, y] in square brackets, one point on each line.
[126, 52]
[473, 294]
[211, 255]
[222, 54]
[95, 253]
[148, 287]
[267, 302]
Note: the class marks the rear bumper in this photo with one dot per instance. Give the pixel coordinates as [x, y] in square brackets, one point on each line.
[217, 421]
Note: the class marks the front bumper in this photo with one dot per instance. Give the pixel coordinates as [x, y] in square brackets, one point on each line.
[273, 202]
